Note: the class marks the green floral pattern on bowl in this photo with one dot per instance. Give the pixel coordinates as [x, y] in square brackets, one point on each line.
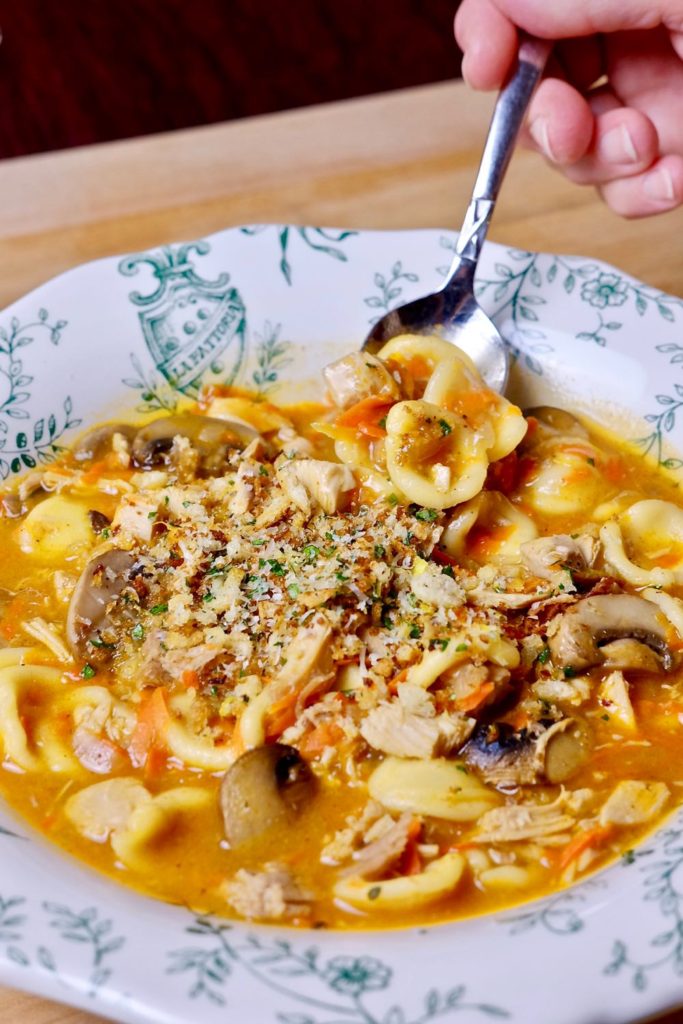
[266, 307]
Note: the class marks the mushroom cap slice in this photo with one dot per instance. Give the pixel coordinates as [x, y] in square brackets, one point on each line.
[100, 585]
[212, 438]
[266, 786]
[578, 640]
[96, 442]
[545, 752]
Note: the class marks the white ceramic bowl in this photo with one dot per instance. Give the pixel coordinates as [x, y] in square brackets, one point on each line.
[267, 307]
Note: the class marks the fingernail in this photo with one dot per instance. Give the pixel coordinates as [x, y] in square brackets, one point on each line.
[616, 146]
[538, 130]
[659, 185]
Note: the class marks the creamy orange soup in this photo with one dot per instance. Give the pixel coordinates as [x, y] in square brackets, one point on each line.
[408, 656]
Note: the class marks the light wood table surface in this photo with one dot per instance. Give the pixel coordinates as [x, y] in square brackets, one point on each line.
[401, 160]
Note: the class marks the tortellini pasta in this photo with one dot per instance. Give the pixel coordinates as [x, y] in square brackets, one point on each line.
[57, 528]
[488, 528]
[438, 879]
[439, 446]
[22, 687]
[433, 456]
[567, 478]
[437, 788]
[644, 544]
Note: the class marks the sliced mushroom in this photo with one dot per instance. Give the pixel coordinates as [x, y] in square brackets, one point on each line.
[98, 520]
[554, 422]
[96, 443]
[89, 626]
[266, 786]
[212, 438]
[542, 753]
[547, 557]
[587, 627]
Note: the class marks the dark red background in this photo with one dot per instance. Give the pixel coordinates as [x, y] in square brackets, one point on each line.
[74, 72]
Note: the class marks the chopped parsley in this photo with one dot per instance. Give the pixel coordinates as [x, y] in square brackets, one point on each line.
[448, 571]
[87, 672]
[258, 542]
[461, 647]
[293, 589]
[392, 499]
[311, 552]
[138, 632]
[569, 671]
[443, 644]
[262, 471]
[426, 515]
[159, 609]
[446, 428]
[216, 570]
[103, 644]
[380, 551]
[277, 568]
[256, 585]
[208, 597]
[374, 891]
[628, 857]
[414, 632]
[382, 423]
[543, 656]
[105, 533]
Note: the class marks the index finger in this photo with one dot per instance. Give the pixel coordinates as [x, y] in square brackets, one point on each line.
[486, 29]
[488, 40]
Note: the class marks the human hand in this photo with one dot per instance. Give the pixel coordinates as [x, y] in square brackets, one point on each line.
[624, 136]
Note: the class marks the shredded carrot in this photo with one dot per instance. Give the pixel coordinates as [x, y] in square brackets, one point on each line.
[327, 734]
[149, 733]
[281, 714]
[668, 559]
[614, 470]
[418, 367]
[476, 699]
[94, 472]
[15, 612]
[190, 679]
[366, 416]
[392, 685]
[590, 838]
[532, 426]
[577, 475]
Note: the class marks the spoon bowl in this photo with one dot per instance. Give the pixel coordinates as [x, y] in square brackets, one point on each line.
[452, 312]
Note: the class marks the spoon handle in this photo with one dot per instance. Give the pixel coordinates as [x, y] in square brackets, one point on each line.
[508, 115]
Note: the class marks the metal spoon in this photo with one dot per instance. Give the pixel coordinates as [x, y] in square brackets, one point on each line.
[453, 312]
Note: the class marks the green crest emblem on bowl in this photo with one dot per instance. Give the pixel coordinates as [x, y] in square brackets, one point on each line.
[192, 327]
